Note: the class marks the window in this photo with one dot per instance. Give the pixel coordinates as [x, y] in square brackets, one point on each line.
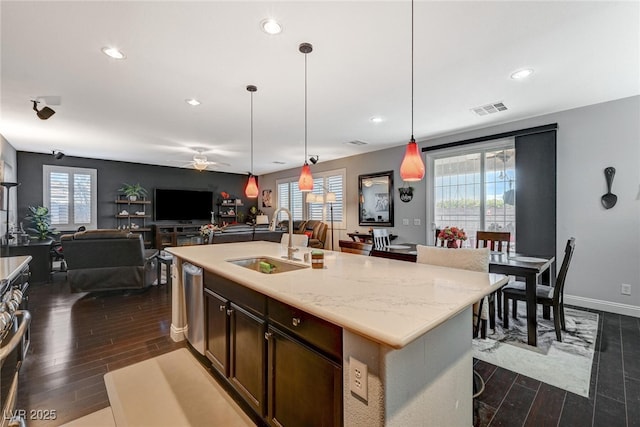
[71, 196]
[473, 187]
[290, 197]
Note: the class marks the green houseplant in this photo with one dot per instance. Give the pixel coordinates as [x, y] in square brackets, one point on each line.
[41, 222]
[133, 191]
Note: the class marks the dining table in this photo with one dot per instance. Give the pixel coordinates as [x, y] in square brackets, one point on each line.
[531, 268]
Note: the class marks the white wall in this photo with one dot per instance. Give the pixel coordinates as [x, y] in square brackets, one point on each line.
[589, 139]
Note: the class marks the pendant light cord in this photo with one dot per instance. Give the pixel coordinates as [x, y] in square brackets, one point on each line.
[251, 133]
[305, 108]
[412, 70]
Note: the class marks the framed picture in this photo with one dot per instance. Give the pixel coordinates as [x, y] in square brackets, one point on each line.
[376, 199]
[266, 198]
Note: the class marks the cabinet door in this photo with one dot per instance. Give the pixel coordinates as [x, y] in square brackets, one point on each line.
[304, 387]
[217, 333]
[248, 357]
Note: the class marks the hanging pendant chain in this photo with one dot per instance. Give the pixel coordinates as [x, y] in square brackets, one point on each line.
[412, 70]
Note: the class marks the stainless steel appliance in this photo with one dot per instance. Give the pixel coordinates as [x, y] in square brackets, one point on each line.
[194, 301]
[15, 320]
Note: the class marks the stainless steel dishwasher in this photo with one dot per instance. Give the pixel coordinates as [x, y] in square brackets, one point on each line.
[194, 301]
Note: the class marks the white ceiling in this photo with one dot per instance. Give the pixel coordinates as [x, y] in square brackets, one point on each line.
[134, 109]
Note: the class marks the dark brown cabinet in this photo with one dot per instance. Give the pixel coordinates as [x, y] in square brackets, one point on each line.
[248, 355]
[287, 364]
[217, 337]
[304, 387]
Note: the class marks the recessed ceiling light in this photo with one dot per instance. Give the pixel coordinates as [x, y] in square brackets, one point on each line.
[521, 74]
[376, 119]
[271, 26]
[114, 53]
[193, 102]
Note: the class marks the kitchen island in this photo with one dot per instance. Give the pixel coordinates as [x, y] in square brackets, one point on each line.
[410, 324]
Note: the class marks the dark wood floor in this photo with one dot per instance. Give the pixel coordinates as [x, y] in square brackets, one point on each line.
[77, 338]
[511, 399]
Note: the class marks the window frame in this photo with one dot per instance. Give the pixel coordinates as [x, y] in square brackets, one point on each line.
[47, 170]
[323, 189]
[433, 155]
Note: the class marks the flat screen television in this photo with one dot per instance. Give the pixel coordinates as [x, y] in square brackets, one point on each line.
[182, 205]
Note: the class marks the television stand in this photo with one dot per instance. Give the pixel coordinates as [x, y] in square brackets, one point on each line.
[180, 234]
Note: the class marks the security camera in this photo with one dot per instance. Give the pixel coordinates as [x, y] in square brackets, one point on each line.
[58, 155]
[314, 159]
[43, 114]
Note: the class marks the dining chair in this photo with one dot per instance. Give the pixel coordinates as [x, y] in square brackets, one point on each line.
[496, 241]
[298, 240]
[436, 241]
[381, 238]
[550, 296]
[352, 247]
[465, 259]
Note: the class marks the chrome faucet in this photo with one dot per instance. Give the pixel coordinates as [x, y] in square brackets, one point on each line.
[272, 227]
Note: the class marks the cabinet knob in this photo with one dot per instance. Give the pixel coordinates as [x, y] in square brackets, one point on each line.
[296, 321]
[267, 335]
[229, 312]
[223, 307]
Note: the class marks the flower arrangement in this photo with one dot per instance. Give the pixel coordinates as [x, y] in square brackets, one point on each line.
[208, 229]
[452, 234]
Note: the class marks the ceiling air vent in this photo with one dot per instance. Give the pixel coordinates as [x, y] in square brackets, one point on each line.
[489, 109]
[356, 142]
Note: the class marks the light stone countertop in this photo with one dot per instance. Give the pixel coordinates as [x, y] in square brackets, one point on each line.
[388, 301]
[11, 266]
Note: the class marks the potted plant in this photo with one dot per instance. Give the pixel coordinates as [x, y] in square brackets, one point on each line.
[41, 221]
[133, 191]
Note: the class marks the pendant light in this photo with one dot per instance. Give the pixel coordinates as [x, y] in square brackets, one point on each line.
[251, 190]
[412, 167]
[305, 182]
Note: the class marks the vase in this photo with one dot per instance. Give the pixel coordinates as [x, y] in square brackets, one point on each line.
[452, 244]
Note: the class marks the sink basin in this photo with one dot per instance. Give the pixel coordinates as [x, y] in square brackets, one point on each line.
[274, 266]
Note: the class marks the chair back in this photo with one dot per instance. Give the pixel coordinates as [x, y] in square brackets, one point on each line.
[436, 241]
[558, 289]
[381, 238]
[499, 241]
[298, 240]
[352, 247]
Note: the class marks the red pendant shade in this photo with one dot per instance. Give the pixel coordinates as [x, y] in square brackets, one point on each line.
[412, 168]
[305, 182]
[251, 190]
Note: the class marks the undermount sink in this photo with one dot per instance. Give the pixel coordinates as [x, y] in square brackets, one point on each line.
[259, 264]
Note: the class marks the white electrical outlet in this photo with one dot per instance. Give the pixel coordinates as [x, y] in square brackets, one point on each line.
[358, 378]
[625, 289]
[416, 221]
[405, 221]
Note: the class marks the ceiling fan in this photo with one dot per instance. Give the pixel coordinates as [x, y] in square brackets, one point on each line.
[200, 161]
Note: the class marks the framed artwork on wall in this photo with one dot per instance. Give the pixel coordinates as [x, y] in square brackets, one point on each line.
[266, 198]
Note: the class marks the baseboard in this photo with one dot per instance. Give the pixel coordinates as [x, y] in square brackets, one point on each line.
[596, 304]
[178, 334]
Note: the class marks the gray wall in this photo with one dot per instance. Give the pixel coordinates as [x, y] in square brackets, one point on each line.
[112, 174]
[9, 174]
[589, 139]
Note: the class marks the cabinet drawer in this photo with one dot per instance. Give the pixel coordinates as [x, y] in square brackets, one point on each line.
[321, 334]
[244, 297]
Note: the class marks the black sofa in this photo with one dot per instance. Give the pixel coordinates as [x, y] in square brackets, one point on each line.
[245, 233]
[99, 260]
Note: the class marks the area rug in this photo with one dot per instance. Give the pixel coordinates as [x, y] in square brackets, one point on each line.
[170, 390]
[566, 364]
[101, 418]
